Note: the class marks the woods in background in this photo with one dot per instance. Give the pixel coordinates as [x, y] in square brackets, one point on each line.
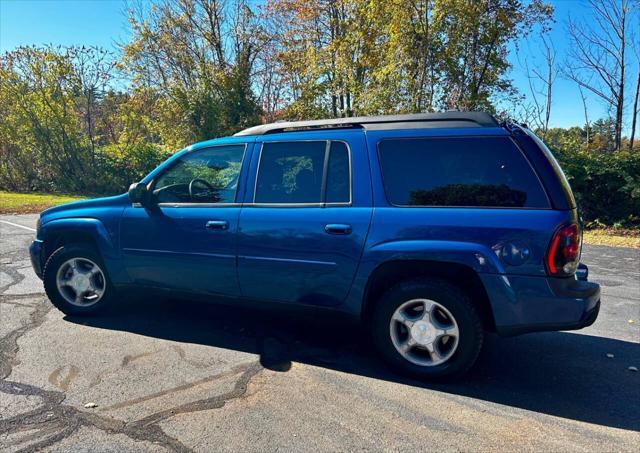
[88, 120]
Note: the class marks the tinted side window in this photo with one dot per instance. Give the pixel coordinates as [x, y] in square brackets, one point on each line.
[294, 172]
[204, 176]
[463, 171]
[338, 174]
[290, 172]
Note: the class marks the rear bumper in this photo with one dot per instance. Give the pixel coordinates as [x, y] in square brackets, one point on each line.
[588, 317]
[36, 250]
[524, 304]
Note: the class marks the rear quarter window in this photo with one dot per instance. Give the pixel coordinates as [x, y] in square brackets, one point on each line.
[564, 183]
[459, 171]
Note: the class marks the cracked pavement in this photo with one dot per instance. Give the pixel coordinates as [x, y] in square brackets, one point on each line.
[174, 375]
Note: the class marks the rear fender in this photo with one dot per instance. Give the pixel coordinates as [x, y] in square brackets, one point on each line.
[475, 256]
[478, 257]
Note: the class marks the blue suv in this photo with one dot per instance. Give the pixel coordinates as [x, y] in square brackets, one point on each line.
[432, 229]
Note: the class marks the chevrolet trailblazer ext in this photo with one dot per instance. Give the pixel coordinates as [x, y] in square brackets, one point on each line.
[430, 228]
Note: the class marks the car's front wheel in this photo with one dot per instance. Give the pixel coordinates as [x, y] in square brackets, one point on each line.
[427, 328]
[76, 280]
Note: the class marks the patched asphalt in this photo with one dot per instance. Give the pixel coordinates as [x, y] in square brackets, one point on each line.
[190, 376]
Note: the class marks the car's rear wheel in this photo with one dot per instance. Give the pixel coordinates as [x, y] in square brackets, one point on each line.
[76, 280]
[427, 328]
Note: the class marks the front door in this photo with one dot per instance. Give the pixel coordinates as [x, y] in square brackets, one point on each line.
[187, 240]
[303, 227]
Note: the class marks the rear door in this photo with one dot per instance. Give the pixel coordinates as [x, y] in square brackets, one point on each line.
[305, 218]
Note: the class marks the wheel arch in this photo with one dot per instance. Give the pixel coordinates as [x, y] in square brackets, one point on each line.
[389, 273]
[58, 233]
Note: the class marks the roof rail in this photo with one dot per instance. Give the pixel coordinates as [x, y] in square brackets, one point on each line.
[418, 120]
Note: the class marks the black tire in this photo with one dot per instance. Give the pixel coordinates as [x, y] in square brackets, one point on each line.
[456, 301]
[57, 259]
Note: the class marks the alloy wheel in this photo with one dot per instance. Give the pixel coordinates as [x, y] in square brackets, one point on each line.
[424, 332]
[81, 282]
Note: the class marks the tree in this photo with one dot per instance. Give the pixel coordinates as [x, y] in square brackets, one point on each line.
[93, 69]
[269, 75]
[41, 129]
[476, 39]
[541, 78]
[604, 135]
[587, 124]
[319, 58]
[597, 57]
[365, 57]
[199, 56]
[65, 129]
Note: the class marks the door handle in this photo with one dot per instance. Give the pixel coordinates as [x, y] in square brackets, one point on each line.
[217, 225]
[337, 228]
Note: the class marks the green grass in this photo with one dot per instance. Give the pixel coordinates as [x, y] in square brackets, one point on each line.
[23, 203]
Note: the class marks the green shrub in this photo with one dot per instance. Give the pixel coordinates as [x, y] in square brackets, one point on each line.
[606, 185]
[119, 166]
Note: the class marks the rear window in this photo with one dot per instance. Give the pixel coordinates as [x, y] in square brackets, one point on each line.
[461, 171]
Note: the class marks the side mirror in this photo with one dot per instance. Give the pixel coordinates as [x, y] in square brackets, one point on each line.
[138, 193]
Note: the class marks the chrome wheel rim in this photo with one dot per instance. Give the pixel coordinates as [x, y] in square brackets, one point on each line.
[424, 332]
[81, 282]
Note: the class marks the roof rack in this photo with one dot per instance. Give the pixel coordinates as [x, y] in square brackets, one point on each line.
[419, 120]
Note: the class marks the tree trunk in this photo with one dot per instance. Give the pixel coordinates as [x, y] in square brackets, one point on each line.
[621, 84]
[634, 112]
[549, 84]
[587, 126]
[619, 118]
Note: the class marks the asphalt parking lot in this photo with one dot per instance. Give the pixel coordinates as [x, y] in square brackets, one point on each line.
[178, 376]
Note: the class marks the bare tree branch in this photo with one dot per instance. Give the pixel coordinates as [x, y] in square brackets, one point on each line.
[597, 56]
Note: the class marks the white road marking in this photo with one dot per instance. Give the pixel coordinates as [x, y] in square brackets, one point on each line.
[16, 225]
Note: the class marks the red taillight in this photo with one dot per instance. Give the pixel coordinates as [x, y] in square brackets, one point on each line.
[564, 251]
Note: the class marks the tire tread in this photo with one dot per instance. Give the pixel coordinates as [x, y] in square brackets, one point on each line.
[51, 289]
[388, 301]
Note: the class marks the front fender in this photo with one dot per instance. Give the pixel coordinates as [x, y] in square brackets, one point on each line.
[82, 229]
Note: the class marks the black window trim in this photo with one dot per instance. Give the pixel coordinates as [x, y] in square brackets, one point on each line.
[321, 204]
[174, 204]
[515, 144]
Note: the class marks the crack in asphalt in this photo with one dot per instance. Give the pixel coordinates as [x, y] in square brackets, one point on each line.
[9, 343]
[63, 420]
[234, 371]
[15, 277]
[56, 421]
